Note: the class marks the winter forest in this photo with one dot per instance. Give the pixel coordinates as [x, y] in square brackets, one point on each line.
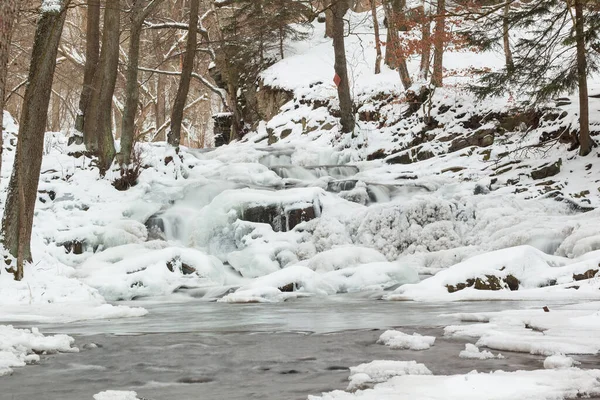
[300, 199]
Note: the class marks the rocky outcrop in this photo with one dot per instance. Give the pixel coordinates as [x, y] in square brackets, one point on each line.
[269, 100]
[490, 282]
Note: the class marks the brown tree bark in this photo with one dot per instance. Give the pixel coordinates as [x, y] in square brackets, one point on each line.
[8, 12]
[174, 134]
[17, 221]
[377, 41]
[585, 142]
[510, 65]
[98, 121]
[92, 55]
[339, 9]
[426, 45]
[437, 78]
[394, 58]
[138, 15]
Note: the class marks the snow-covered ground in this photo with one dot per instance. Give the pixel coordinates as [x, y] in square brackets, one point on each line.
[316, 214]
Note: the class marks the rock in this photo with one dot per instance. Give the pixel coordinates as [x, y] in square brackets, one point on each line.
[490, 282]
[327, 126]
[377, 155]
[176, 263]
[299, 215]
[340, 186]
[480, 189]
[156, 227]
[285, 133]
[290, 287]
[547, 170]
[281, 217]
[222, 128]
[73, 246]
[512, 282]
[269, 100]
[402, 158]
[453, 169]
[589, 274]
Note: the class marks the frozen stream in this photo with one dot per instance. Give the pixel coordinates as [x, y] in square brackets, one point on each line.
[199, 350]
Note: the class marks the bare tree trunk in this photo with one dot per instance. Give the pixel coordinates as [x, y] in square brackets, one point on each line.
[174, 134]
[585, 141]
[98, 123]
[426, 45]
[437, 78]
[92, 55]
[8, 12]
[510, 65]
[339, 10]
[132, 93]
[329, 22]
[377, 41]
[395, 10]
[17, 221]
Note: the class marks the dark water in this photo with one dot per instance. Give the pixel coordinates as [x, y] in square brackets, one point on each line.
[198, 350]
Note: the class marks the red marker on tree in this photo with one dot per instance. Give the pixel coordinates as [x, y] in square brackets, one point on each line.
[337, 80]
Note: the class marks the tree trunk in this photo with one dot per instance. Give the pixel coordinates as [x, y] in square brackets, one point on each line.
[426, 45]
[437, 78]
[339, 10]
[395, 10]
[98, 123]
[17, 221]
[585, 141]
[377, 41]
[510, 65]
[92, 55]
[132, 93]
[8, 12]
[391, 48]
[329, 21]
[174, 134]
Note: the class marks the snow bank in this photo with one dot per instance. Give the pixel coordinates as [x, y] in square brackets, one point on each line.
[18, 347]
[573, 329]
[523, 385]
[513, 273]
[399, 340]
[149, 269]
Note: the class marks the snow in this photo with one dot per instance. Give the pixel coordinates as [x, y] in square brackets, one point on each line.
[116, 395]
[51, 6]
[559, 362]
[472, 352]
[525, 385]
[18, 347]
[399, 340]
[566, 330]
[403, 232]
[382, 370]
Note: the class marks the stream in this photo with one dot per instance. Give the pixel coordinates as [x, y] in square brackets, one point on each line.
[192, 349]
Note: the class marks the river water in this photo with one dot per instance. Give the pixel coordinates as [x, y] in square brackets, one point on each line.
[193, 349]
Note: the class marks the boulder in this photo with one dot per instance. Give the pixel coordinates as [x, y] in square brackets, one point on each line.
[156, 227]
[547, 170]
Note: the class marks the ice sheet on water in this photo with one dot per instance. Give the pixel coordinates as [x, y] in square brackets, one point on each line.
[18, 347]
